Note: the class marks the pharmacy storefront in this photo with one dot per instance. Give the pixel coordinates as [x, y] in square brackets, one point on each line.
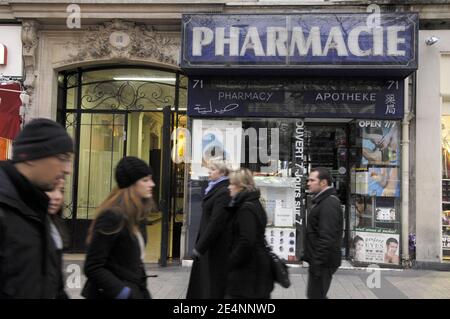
[282, 94]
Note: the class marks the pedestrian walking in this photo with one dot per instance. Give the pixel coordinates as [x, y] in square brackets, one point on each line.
[250, 273]
[209, 269]
[114, 264]
[323, 234]
[41, 157]
[58, 234]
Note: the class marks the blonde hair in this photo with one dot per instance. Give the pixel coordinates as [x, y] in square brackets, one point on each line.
[243, 178]
[128, 203]
[219, 165]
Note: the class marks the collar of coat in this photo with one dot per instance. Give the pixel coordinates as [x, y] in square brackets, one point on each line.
[323, 194]
[219, 185]
[244, 196]
[17, 192]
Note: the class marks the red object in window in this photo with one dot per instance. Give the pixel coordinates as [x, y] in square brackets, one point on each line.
[10, 110]
[5, 146]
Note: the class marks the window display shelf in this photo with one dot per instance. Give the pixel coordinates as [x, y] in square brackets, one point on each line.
[278, 199]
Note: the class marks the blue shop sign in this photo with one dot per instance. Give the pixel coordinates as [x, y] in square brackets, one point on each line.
[307, 41]
[296, 97]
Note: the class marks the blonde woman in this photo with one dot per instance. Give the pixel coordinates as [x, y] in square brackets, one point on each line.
[250, 274]
[114, 263]
[209, 270]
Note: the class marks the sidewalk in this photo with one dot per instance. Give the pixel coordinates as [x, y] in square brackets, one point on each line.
[171, 283]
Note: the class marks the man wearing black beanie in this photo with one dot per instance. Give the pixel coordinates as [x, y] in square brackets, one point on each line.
[42, 155]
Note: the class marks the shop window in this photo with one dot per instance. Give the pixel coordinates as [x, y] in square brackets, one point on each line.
[375, 200]
[266, 147]
[362, 156]
[445, 126]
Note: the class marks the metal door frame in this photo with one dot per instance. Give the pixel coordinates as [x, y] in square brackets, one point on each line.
[347, 128]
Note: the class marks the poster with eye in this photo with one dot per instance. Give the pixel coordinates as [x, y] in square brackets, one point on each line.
[215, 140]
[376, 246]
[282, 241]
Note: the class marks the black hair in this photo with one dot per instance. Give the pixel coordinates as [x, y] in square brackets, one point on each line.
[323, 174]
[356, 239]
[391, 240]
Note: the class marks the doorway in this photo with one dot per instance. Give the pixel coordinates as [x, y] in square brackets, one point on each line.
[328, 146]
[113, 112]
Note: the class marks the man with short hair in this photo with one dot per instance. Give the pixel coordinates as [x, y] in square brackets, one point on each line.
[42, 154]
[323, 234]
[391, 257]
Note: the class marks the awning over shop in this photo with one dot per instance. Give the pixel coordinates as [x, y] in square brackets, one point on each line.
[10, 110]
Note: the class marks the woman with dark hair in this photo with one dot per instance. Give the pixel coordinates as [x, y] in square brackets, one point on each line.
[358, 246]
[58, 234]
[114, 263]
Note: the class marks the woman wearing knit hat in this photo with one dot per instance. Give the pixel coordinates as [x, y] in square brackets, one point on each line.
[114, 263]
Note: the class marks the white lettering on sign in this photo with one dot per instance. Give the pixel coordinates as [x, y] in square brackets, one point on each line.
[299, 168]
[369, 123]
[345, 97]
[277, 43]
[244, 96]
[3, 54]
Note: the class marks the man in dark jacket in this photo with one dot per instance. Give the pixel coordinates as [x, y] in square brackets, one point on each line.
[323, 234]
[41, 156]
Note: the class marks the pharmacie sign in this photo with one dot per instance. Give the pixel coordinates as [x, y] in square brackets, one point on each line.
[300, 41]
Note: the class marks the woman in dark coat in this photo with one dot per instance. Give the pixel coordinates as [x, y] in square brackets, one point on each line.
[208, 273]
[250, 274]
[59, 236]
[114, 263]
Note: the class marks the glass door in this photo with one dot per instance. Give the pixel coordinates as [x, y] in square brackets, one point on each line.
[327, 146]
[102, 143]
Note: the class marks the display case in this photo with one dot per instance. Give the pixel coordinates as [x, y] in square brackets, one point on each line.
[445, 133]
[278, 199]
[375, 200]
[446, 219]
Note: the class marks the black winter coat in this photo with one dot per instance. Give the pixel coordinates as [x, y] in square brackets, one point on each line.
[324, 231]
[209, 272]
[250, 274]
[29, 264]
[113, 260]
